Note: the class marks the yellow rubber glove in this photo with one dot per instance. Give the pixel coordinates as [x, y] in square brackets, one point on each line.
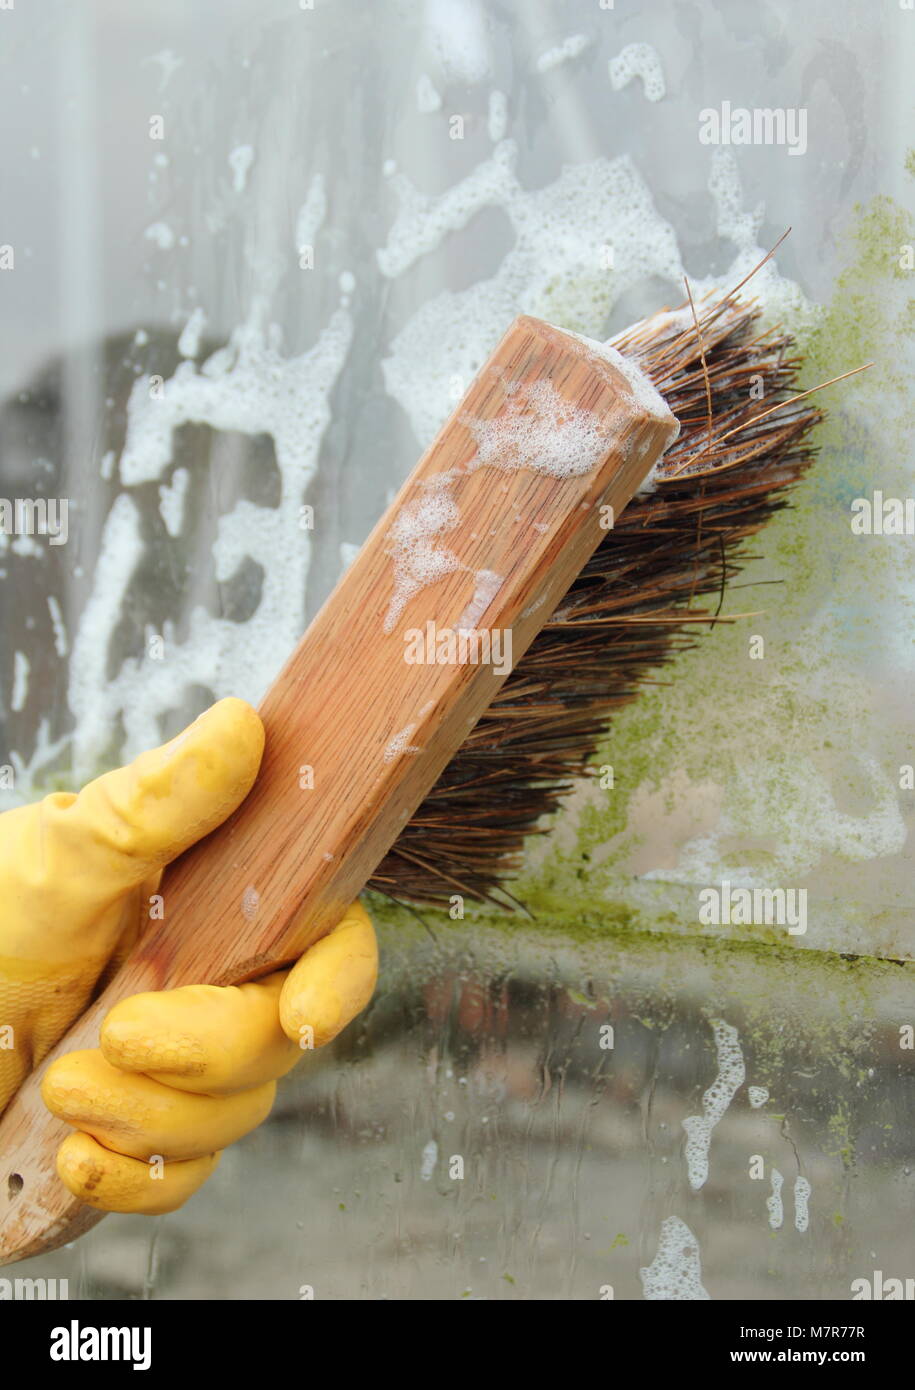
[179, 1073]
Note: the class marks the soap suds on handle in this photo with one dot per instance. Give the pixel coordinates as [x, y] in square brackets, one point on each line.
[647, 397]
[537, 602]
[645, 393]
[401, 744]
[488, 584]
[418, 561]
[538, 430]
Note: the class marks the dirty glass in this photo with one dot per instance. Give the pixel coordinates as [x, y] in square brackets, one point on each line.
[253, 255]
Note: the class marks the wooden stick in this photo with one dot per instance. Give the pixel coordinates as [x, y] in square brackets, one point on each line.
[484, 538]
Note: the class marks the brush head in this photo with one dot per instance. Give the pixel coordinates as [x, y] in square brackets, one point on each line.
[633, 604]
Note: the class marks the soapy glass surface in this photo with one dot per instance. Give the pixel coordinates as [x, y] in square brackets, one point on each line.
[260, 254]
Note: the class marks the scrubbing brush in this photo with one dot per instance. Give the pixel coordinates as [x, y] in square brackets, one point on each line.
[571, 431]
[744, 440]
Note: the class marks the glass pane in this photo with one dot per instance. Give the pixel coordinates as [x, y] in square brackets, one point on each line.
[253, 254]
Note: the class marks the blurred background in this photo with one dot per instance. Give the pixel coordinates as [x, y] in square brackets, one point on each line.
[252, 255]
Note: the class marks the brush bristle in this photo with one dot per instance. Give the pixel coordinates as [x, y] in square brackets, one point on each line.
[630, 609]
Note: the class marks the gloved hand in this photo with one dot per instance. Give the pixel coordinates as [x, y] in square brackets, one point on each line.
[180, 1073]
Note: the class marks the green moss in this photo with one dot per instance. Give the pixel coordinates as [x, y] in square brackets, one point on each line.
[758, 753]
[840, 1134]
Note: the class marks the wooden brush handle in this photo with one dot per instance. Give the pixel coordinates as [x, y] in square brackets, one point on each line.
[356, 735]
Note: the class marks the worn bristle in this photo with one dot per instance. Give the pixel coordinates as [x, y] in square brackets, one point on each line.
[632, 606]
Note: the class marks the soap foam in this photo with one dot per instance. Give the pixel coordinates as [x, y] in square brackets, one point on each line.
[537, 429]
[537, 603]
[457, 35]
[429, 1160]
[57, 623]
[675, 1273]
[639, 60]
[162, 234]
[774, 1201]
[552, 263]
[311, 214]
[422, 221]
[645, 393]
[488, 584]
[550, 270]
[189, 342]
[731, 1076]
[811, 825]
[540, 430]
[416, 558]
[497, 119]
[20, 691]
[251, 387]
[569, 48]
[171, 501]
[240, 161]
[401, 744]
[29, 774]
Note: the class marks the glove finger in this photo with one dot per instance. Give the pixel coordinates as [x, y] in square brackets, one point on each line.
[210, 1039]
[139, 1117]
[110, 1182]
[332, 982]
[127, 824]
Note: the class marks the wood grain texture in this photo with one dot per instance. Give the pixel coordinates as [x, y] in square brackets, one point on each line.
[375, 729]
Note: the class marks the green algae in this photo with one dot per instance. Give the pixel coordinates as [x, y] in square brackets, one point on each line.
[796, 1011]
[759, 753]
[852, 991]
